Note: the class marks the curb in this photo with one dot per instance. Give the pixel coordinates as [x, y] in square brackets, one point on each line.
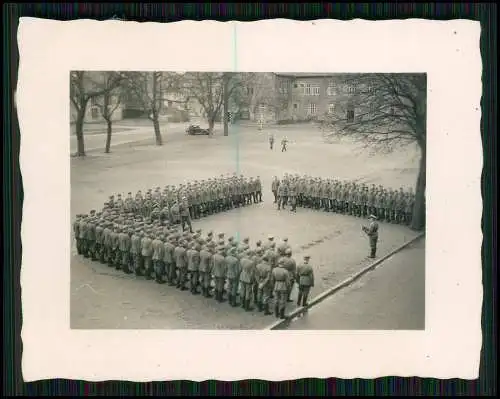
[325, 294]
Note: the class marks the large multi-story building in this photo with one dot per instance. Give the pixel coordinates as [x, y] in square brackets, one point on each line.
[302, 96]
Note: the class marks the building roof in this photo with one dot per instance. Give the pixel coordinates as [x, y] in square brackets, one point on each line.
[313, 74]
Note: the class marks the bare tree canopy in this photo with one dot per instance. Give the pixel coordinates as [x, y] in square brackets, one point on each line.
[84, 86]
[385, 111]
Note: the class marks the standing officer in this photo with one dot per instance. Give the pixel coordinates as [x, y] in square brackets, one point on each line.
[106, 238]
[305, 278]
[205, 269]
[76, 231]
[99, 241]
[185, 217]
[274, 188]
[135, 251]
[271, 140]
[247, 277]
[258, 189]
[233, 275]
[281, 288]
[181, 264]
[219, 272]
[284, 141]
[83, 235]
[263, 276]
[193, 255]
[372, 233]
[124, 248]
[291, 266]
[168, 259]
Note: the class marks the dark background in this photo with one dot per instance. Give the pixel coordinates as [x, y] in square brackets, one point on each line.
[13, 197]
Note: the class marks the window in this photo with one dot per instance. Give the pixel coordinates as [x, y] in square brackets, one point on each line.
[94, 112]
[331, 108]
[350, 115]
[295, 106]
[295, 85]
[316, 90]
[283, 88]
[351, 89]
[312, 109]
[330, 91]
[307, 90]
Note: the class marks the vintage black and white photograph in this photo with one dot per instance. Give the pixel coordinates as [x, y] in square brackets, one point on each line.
[247, 200]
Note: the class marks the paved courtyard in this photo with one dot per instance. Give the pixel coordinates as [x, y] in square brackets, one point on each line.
[104, 298]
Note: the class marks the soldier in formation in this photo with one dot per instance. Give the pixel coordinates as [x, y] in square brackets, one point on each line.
[161, 251]
[346, 197]
[193, 200]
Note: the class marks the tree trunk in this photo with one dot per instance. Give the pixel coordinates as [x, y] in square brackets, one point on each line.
[418, 219]
[108, 136]
[156, 125]
[80, 117]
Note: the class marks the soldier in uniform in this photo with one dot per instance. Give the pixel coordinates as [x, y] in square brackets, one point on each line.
[106, 238]
[181, 264]
[91, 237]
[219, 272]
[305, 278]
[409, 202]
[147, 255]
[268, 243]
[119, 202]
[263, 276]
[113, 238]
[271, 141]
[158, 254]
[372, 232]
[247, 278]
[193, 257]
[76, 231]
[282, 192]
[292, 195]
[284, 142]
[233, 275]
[83, 235]
[281, 288]
[274, 188]
[205, 269]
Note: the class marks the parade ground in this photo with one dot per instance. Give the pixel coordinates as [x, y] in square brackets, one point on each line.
[102, 297]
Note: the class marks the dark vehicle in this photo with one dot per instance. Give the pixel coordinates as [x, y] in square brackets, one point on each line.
[194, 130]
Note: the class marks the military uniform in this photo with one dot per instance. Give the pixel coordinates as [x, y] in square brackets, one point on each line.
[291, 266]
[274, 188]
[372, 233]
[263, 276]
[281, 287]
[233, 276]
[158, 254]
[247, 278]
[305, 278]
[219, 272]
[124, 244]
[147, 255]
[205, 269]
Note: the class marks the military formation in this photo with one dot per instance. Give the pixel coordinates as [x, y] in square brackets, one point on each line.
[203, 264]
[345, 197]
[192, 200]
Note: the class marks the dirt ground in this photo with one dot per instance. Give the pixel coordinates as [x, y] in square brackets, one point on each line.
[104, 298]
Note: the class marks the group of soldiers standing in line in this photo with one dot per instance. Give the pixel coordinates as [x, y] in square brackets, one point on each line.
[158, 250]
[346, 197]
[180, 204]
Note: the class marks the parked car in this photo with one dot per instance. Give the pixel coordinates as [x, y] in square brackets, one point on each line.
[194, 130]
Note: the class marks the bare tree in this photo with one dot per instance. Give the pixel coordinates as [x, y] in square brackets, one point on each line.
[109, 103]
[82, 89]
[386, 111]
[148, 89]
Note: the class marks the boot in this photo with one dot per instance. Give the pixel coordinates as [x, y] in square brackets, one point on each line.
[207, 293]
[230, 299]
[260, 306]
[266, 310]
[304, 301]
[235, 301]
[244, 304]
[248, 308]
[282, 313]
[276, 311]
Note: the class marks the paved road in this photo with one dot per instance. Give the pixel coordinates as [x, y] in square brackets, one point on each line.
[392, 297]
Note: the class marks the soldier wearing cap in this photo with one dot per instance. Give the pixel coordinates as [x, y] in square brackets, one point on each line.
[124, 244]
[274, 188]
[113, 238]
[193, 257]
[135, 251]
[106, 240]
[258, 189]
[291, 266]
[263, 277]
[99, 241]
[185, 216]
[372, 232]
[305, 278]
[247, 279]
[268, 243]
[157, 258]
[219, 272]
[169, 258]
[233, 275]
[281, 287]
[76, 231]
[181, 264]
[147, 255]
[205, 269]
[283, 246]
[282, 194]
[408, 208]
[83, 235]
